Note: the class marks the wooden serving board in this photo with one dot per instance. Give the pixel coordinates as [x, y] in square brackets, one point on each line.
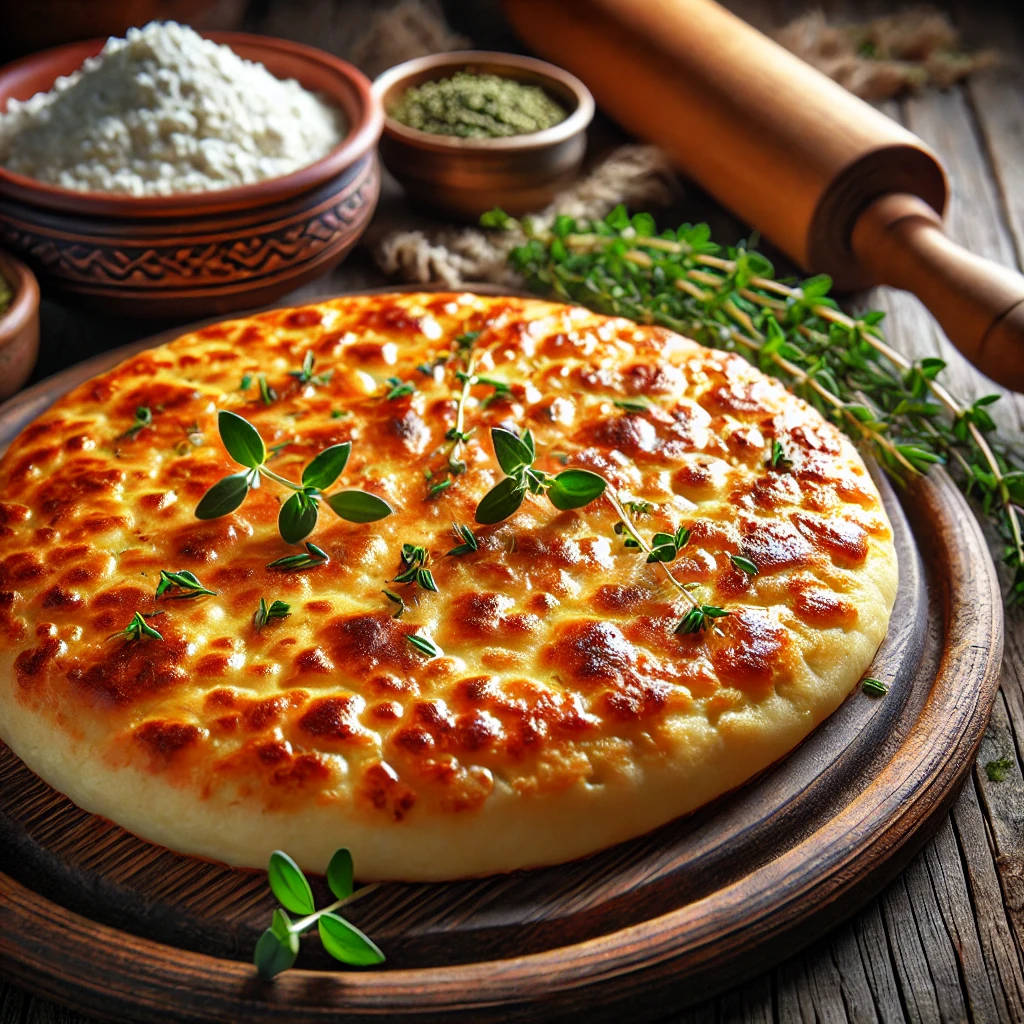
[95, 918]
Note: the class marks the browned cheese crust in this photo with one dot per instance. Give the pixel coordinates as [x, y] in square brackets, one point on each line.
[564, 714]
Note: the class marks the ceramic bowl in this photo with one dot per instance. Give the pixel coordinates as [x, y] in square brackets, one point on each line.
[19, 326]
[465, 177]
[197, 254]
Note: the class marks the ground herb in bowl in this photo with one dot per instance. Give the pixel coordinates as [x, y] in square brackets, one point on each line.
[477, 107]
[6, 295]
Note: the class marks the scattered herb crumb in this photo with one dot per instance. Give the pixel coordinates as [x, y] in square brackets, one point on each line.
[874, 687]
[998, 770]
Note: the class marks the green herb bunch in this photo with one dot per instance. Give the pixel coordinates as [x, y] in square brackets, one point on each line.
[730, 299]
[278, 946]
[299, 512]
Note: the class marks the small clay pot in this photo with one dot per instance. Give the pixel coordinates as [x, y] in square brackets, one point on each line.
[463, 178]
[19, 326]
[197, 254]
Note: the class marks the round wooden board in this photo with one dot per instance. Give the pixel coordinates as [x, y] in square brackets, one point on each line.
[95, 918]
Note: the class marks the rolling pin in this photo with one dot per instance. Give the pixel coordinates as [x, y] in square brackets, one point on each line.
[838, 186]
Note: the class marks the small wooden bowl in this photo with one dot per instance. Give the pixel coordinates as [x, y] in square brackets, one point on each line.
[197, 254]
[465, 177]
[19, 326]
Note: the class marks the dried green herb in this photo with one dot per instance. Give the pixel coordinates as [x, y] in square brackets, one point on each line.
[143, 419]
[474, 106]
[874, 687]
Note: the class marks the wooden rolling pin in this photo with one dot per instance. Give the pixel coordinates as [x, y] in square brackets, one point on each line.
[838, 186]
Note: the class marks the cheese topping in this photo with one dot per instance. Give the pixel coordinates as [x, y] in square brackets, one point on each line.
[560, 673]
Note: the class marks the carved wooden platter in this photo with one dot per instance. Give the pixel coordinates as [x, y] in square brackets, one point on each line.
[95, 918]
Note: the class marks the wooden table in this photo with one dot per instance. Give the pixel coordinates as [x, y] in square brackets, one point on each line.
[945, 941]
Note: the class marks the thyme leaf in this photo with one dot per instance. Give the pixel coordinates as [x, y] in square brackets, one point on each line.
[468, 542]
[305, 375]
[312, 558]
[143, 419]
[424, 645]
[137, 629]
[182, 581]
[266, 613]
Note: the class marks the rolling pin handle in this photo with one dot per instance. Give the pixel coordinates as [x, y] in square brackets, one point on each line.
[978, 303]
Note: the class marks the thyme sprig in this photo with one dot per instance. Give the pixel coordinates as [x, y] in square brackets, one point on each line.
[572, 488]
[414, 568]
[305, 374]
[181, 584]
[298, 515]
[143, 419]
[311, 559]
[267, 613]
[278, 946]
[665, 547]
[137, 629]
[729, 299]
[467, 541]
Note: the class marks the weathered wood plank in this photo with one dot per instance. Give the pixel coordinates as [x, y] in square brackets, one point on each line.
[924, 961]
[1000, 953]
[876, 960]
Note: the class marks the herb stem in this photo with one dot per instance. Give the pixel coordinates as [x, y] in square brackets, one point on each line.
[304, 922]
[616, 503]
[271, 475]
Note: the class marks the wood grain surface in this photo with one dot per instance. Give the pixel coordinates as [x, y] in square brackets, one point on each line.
[944, 941]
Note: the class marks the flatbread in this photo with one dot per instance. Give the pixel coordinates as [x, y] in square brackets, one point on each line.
[564, 714]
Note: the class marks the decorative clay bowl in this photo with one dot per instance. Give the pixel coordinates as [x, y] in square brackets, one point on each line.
[465, 177]
[197, 254]
[19, 326]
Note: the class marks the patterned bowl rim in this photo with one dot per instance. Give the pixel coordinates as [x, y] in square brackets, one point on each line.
[351, 92]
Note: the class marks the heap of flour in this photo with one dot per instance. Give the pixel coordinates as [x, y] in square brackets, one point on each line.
[165, 111]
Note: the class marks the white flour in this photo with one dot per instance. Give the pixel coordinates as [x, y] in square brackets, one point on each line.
[166, 111]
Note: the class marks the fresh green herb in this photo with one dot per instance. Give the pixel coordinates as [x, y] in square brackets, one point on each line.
[638, 508]
[465, 341]
[313, 557]
[633, 404]
[744, 564]
[306, 374]
[266, 613]
[182, 581]
[424, 645]
[298, 515]
[468, 543]
[194, 439]
[396, 599]
[663, 549]
[998, 770]
[698, 619]
[246, 382]
[778, 460]
[337, 414]
[136, 630]
[6, 295]
[414, 570]
[874, 687]
[278, 946]
[143, 419]
[682, 280]
[267, 394]
[436, 489]
[572, 488]
[399, 388]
